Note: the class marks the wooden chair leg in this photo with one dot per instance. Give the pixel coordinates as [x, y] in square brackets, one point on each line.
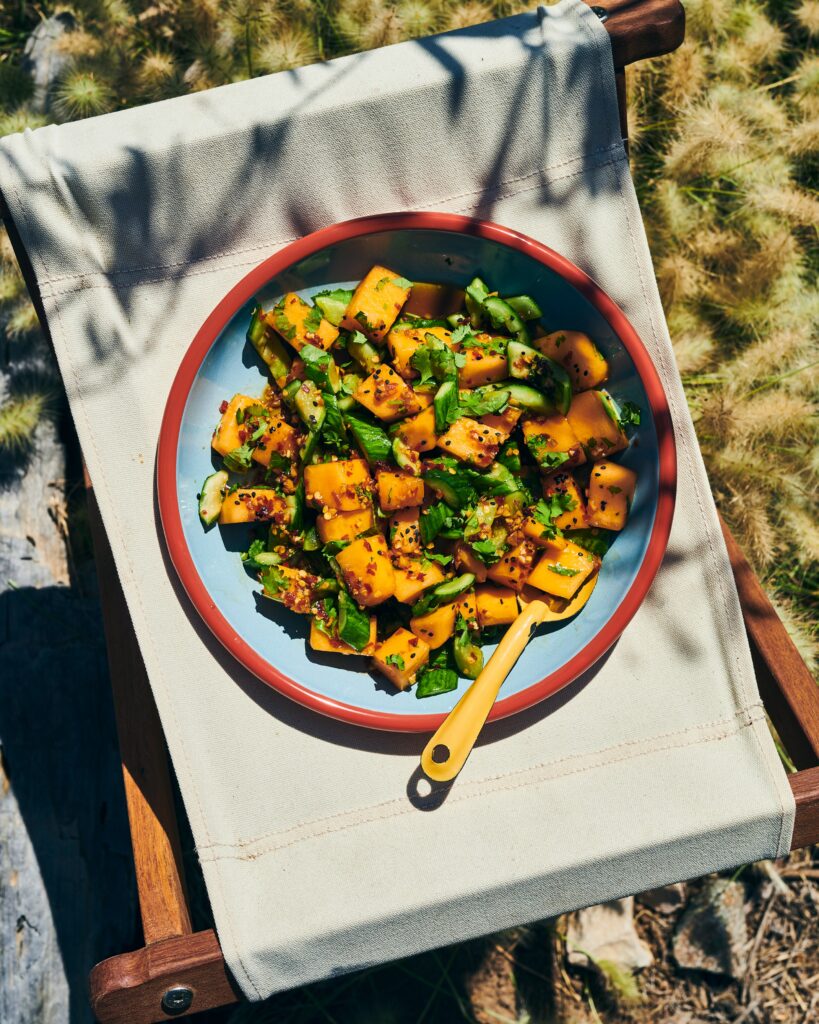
[177, 970]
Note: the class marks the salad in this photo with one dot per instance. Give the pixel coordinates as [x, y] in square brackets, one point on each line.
[419, 455]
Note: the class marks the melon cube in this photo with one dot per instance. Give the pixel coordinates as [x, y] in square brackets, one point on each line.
[578, 355]
[611, 491]
[595, 426]
[367, 570]
[563, 568]
[376, 303]
[300, 323]
[552, 442]
[400, 656]
[387, 395]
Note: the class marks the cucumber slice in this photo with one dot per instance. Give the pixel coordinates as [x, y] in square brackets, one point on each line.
[436, 680]
[457, 320]
[445, 401]
[211, 497]
[497, 481]
[455, 488]
[448, 591]
[309, 449]
[476, 292]
[269, 346]
[333, 304]
[373, 442]
[310, 405]
[525, 307]
[444, 593]
[406, 457]
[353, 624]
[295, 505]
[503, 317]
[363, 351]
[289, 393]
[468, 656]
[321, 368]
[528, 398]
[509, 455]
[526, 363]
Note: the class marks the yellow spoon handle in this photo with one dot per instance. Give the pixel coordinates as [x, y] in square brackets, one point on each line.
[447, 751]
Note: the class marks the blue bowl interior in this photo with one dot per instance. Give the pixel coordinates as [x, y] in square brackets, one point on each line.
[232, 366]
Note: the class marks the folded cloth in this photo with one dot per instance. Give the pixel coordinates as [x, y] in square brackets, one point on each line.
[655, 766]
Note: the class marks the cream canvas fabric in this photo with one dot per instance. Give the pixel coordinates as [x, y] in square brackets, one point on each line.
[318, 859]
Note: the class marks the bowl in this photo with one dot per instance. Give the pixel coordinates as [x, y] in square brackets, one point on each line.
[269, 640]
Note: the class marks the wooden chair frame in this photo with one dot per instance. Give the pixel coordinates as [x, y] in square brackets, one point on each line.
[179, 971]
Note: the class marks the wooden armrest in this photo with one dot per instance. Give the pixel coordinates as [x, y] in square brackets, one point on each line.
[641, 28]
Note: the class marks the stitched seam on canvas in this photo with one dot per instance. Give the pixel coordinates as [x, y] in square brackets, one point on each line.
[47, 289]
[591, 156]
[499, 784]
[660, 348]
[732, 724]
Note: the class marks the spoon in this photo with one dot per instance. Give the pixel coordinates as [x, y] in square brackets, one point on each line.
[447, 751]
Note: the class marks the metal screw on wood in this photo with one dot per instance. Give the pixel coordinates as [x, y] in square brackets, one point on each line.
[177, 1000]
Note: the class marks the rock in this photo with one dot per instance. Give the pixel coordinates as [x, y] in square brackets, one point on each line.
[665, 900]
[43, 57]
[712, 934]
[607, 932]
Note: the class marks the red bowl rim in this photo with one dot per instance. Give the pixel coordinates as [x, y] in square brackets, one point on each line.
[243, 291]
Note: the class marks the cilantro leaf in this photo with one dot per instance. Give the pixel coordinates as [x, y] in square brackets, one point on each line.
[397, 660]
[480, 402]
[312, 321]
[547, 510]
[545, 457]
[486, 550]
[630, 415]
[402, 282]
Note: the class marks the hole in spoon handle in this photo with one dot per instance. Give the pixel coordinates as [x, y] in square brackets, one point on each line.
[441, 753]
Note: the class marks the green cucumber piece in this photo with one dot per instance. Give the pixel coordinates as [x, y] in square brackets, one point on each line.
[457, 320]
[362, 350]
[432, 521]
[549, 377]
[436, 680]
[295, 505]
[445, 402]
[526, 397]
[446, 592]
[374, 443]
[502, 317]
[310, 405]
[456, 488]
[476, 292]
[525, 307]
[289, 392]
[321, 368]
[309, 447]
[211, 497]
[324, 588]
[346, 403]
[497, 481]
[509, 455]
[353, 624]
[468, 656]
[333, 304]
[269, 346]
[612, 411]
[406, 457]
